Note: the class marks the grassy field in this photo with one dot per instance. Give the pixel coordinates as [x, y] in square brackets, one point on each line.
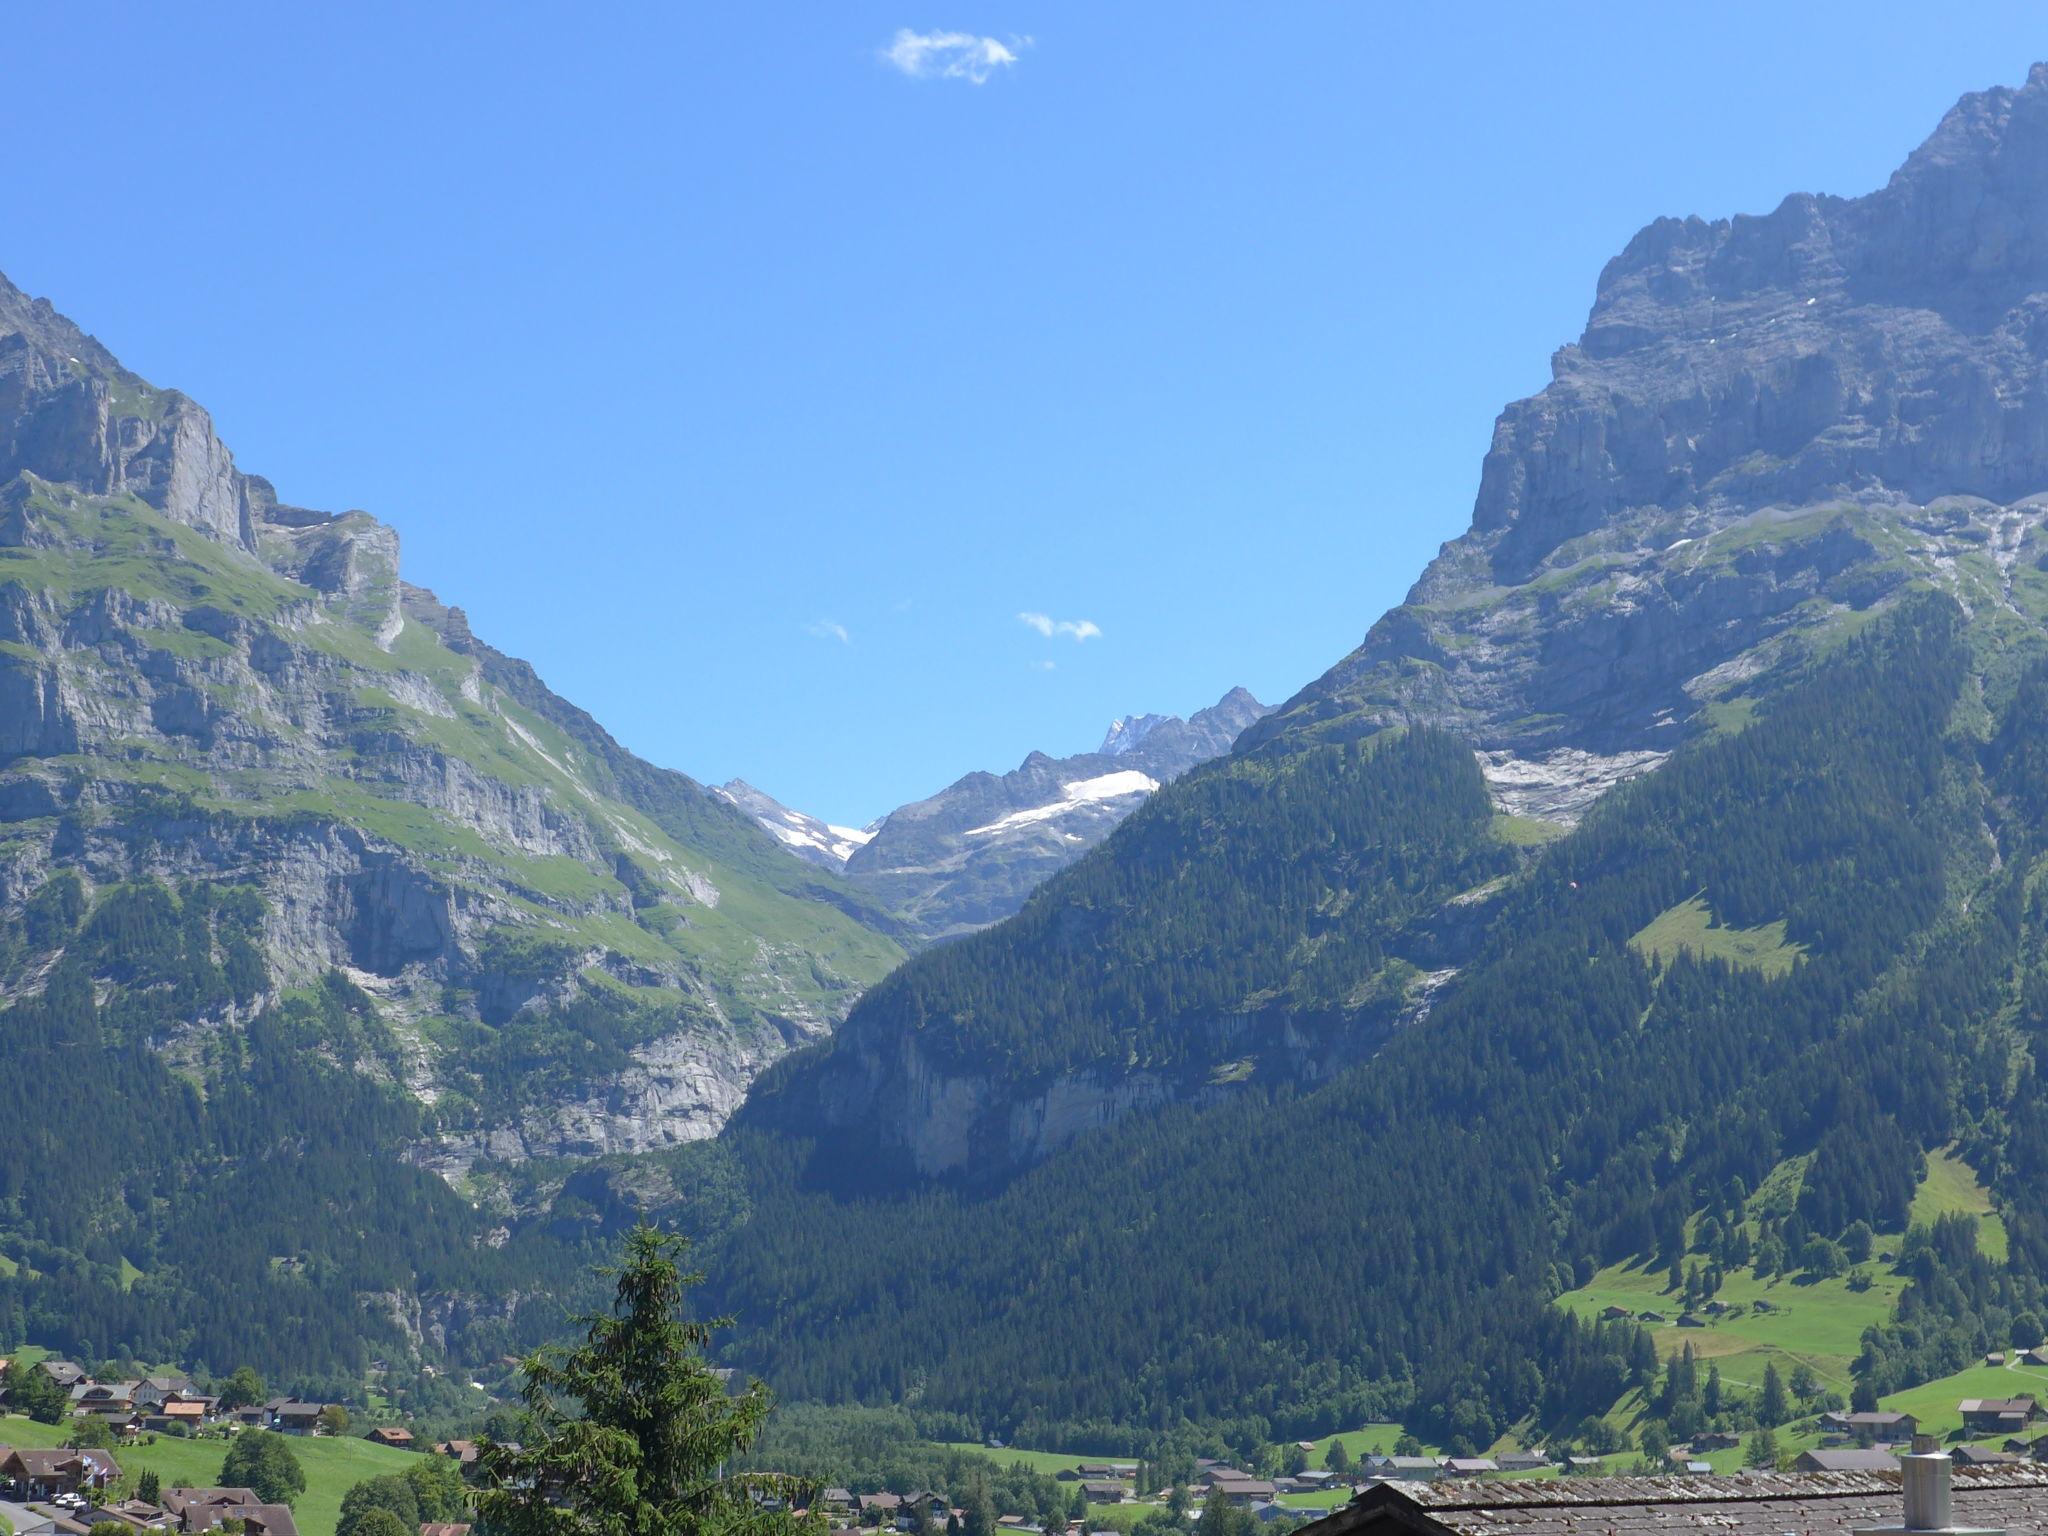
[1037, 1461]
[333, 1465]
[1952, 1186]
[1690, 926]
[1818, 1322]
[1934, 1403]
[1367, 1438]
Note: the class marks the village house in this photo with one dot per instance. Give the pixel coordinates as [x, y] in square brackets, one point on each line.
[1852, 1458]
[132, 1513]
[1977, 1456]
[1406, 1469]
[1997, 1415]
[1522, 1461]
[1715, 1440]
[395, 1436]
[46, 1474]
[289, 1417]
[197, 1510]
[445, 1528]
[1884, 1428]
[1110, 1490]
[1240, 1490]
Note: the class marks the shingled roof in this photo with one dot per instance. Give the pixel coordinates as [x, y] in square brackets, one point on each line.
[2013, 1498]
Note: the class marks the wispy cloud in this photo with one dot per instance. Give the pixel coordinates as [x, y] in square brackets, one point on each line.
[950, 55]
[1046, 666]
[826, 629]
[1073, 629]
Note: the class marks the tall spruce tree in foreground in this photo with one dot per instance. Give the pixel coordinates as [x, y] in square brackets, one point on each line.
[628, 1433]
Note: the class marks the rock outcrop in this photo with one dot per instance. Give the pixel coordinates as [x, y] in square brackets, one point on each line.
[1663, 508]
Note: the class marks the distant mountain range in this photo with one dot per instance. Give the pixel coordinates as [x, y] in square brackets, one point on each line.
[969, 855]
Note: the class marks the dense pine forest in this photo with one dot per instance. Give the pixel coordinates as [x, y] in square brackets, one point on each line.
[1578, 1098]
[152, 1163]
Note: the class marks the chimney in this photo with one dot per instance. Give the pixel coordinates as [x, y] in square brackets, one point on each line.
[1929, 1475]
[1929, 1478]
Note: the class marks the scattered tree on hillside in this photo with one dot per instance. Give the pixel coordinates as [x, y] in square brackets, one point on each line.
[38, 1395]
[149, 1487]
[381, 1522]
[264, 1460]
[244, 1389]
[391, 1493]
[630, 1431]
[1772, 1407]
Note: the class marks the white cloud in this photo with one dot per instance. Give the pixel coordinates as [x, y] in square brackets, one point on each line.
[1073, 629]
[950, 55]
[825, 629]
[1046, 666]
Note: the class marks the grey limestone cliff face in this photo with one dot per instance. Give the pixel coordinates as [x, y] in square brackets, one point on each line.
[969, 855]
[200, 682]
[1673, 508]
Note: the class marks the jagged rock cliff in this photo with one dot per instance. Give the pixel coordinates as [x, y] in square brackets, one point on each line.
[199, 682]
[1757, 409]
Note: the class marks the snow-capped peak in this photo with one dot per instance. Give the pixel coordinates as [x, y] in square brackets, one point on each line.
[820, 841]
[1125, 734]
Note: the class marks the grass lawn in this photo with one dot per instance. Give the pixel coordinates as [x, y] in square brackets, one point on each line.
[1690, 926]
[333, 1465]
[1819, 1322]
[1365, 1439]
[1952, 1187]
[1037, 1461]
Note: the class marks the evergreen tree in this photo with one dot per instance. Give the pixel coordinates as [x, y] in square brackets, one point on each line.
[1763, 1449]
[980, 1506]
[1772, 1407]
[149, 1487]
[630, 1431]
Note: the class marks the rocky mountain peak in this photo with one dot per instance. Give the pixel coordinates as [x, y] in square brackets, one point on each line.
[1125, 733]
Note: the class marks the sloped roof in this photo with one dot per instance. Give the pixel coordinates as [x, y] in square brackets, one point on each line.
[2013, 1498]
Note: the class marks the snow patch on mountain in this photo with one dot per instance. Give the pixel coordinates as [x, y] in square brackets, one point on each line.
[821, 842]
[1078, 795]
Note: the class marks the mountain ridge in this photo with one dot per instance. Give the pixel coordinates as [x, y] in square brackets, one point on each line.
[972, 853]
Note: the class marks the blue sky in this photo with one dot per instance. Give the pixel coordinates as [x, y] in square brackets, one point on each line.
[752, 385]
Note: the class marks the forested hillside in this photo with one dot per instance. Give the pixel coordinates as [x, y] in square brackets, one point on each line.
[1389, 1243]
